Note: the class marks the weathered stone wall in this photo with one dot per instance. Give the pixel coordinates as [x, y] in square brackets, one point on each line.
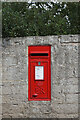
[64, 78]
[0, 78]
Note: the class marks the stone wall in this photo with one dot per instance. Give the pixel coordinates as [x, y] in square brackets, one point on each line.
[64, 78]
[0, 78]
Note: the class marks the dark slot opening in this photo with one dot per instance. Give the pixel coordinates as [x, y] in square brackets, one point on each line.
[39, 54]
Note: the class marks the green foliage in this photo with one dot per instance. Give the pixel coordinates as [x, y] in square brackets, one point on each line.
[33, 19]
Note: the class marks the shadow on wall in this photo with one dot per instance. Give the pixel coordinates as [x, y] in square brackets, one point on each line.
[40, 119]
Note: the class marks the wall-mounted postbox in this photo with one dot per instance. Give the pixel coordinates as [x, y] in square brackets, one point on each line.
[39, 73]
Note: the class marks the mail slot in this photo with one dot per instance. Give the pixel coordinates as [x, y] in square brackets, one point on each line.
[39, 54]
[39, 73]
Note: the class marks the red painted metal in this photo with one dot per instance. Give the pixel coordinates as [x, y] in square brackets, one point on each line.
[39, 89]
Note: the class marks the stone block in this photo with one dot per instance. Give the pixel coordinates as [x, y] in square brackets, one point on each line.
[72, 98]
[65, 108]
[69, 38]
[68, 89]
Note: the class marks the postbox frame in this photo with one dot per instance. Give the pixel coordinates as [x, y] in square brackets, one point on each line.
[49, 70]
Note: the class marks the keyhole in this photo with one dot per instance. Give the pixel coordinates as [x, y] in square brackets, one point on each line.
[39, 63]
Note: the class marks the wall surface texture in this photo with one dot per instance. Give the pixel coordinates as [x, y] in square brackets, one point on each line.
[0, 78]
[64, 78]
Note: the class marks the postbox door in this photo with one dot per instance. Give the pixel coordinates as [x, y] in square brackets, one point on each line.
[39, 80]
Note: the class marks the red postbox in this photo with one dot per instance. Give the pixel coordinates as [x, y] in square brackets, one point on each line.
[39, 73]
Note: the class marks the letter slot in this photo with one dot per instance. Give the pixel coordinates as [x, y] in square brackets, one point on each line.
[39, 54]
